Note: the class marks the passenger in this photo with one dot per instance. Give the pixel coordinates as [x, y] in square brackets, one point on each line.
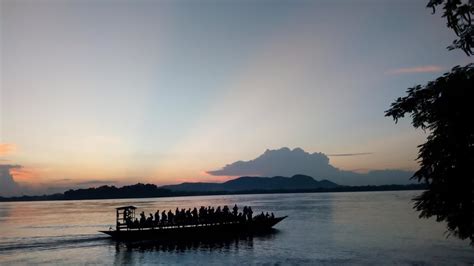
[149, 221]
[225, 214]
[202, 214]
[128, 222]
[249, 213]
[170, 218]
[189, 217]
[177, 216]
[163, 218]
[240, 217]
[211, 215]
[183, 216]
[218, 214]
[142, 219]
[136, 223]
[157, 217]
[195, 215]
[235, 210]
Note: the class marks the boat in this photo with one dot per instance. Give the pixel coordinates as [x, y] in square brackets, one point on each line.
[189, 230]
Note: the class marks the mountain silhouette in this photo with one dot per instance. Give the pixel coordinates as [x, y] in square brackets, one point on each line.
[247, 183]
[287, 162]
[242, 185]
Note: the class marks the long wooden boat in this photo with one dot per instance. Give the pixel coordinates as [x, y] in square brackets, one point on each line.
[189, 231]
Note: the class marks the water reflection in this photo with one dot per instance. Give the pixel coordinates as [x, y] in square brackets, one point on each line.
[131, 252]
[321, 228]
[4, 212]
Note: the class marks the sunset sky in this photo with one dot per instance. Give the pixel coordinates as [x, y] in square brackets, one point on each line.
[164, 91]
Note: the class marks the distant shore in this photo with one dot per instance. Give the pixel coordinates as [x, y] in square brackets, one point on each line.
[151, 191]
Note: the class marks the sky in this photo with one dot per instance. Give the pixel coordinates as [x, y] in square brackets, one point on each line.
[119, 92]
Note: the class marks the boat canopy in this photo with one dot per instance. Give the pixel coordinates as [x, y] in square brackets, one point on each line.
[126, 207]
[123, 214]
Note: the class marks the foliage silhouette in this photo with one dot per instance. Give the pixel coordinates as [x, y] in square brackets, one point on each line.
[459, 15]
[445, 109]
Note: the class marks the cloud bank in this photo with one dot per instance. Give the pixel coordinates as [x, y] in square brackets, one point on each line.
[286, 162]
[8, 186]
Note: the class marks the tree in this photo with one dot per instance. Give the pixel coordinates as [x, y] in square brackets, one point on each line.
[459, 15]
[445, 108]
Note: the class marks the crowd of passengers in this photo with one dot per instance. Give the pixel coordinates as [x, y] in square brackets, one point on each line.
[205, 215]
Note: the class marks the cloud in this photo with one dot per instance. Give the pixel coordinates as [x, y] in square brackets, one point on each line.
[8, 186]
[349, 154]
[7, 148]
[278, 162]
[417, 69]
[286, 162]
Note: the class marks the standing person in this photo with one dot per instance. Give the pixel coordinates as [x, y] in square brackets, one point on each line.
[170, 217]
[163, 218]
[157, 217]
[235, 210]
[195, 215]
[250, 212]
[142, 219]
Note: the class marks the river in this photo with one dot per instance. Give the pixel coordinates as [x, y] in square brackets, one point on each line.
[321, 229]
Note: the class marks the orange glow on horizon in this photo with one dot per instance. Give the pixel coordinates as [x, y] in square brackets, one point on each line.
[217, 179]
[7, 148]
[24, 175]
[173, 178]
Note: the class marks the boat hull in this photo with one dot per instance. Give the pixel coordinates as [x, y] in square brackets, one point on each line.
[195, 231]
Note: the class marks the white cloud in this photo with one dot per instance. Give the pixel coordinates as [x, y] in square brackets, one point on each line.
[286, 162]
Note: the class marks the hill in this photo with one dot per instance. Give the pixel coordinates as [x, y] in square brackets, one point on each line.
[249, 183]
[241, 185]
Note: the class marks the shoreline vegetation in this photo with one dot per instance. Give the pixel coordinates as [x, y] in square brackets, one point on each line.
[246, 185]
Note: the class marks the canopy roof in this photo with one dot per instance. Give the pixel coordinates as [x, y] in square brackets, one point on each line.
[126, 207]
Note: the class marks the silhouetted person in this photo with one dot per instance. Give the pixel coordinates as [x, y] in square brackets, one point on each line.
[235, 210]
[195, 215]
[136, 223]
[189, 216]
[149, 221]
[240, 217]
[164, 218]
[170, 218]
[249, 213]
[157, 217]
[142, 219]
[202, 214]
[128, 221]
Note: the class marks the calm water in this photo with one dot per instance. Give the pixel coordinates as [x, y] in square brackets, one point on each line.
[322, 228]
